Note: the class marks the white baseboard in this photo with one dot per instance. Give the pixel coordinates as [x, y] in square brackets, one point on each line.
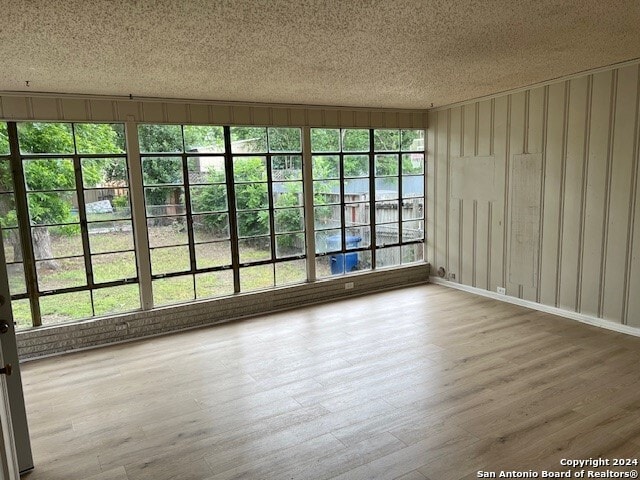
[580, 317]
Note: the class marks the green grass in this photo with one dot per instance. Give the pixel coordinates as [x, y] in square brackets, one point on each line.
[107, 267]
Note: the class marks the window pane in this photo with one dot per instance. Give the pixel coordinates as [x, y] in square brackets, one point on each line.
[257, 277]
[289, 245]
[287, 167]
[289, 220]
[21, 313]
[62, 273]
[104, 172]
[326, 191]
[387, 212]
[8, 215]
[355, 140]
[15, 274]
[328, 241]
[162, 171]
[39, 137]
[327, 217]
[49, 174]
[412, 164]
[203, 138]
[251, 224]
[114, 266]
[160, 138]
[248, 139]
[164, 200]
[413, 253]
[250, 169]
[209, 198]
[412, 140]
[356, 165]
[65, 307]
[53, 208]
[413, 208]
[110, 236]
[203, 170]
[413, 186]
[325, 166]
[103, 205]
[413, 230]
[6, 179]
[172, 290]
[215, 254]
[287, 194]
[356, 214]
[285, 140]
[387, 165]
[214, 226]
[323, 267]
[388, 257]
[125, 298]
[250, 196]
[99, 137]
[325, 140]
[254, 249]
[387, 234]
[12, 246]
[214, 284]
[356, 189]
[386, 188]
[167, 231]
[56, 242]
[4, 139]
[358, 237]
[294, 271]
[169, 260]
[386, 140]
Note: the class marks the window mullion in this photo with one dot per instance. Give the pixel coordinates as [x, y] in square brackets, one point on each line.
[372, 199]
[24, 226]
[231, 201]
[138, 215]
[307, 188]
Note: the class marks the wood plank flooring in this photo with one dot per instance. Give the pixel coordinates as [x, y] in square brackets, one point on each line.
[413, 384]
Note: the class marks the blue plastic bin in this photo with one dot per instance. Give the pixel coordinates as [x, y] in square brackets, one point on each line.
[343, 262]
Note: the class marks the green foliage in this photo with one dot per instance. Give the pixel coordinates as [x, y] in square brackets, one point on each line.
[120, 201]
[4, 139]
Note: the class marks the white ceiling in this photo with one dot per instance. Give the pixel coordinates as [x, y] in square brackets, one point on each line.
[372, 53]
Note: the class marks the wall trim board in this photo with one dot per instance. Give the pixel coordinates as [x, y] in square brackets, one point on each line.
[99, 332]
[544, 83]
[42, 106]
[580, 317]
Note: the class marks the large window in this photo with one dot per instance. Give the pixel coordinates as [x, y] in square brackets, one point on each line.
[223, 209]
[79, 229]
[357, 172]
[269, 203]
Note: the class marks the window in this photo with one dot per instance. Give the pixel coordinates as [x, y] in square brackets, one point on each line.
[356, 172]
[342, 200]
[399, 197]
[224, 209]
[269, 204]
[80, 228]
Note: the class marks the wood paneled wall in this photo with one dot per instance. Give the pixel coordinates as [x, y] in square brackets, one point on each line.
[44, 107]
[576, 246]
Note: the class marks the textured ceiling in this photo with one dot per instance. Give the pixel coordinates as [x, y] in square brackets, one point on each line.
[372, 53]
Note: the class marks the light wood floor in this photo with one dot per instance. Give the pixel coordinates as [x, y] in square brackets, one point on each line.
[423, 382]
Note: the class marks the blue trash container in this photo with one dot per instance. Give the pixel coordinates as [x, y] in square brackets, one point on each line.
[343, 262]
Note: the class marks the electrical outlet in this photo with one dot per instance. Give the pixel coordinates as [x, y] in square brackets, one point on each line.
[348, 285]
[452, 276]
[501, 290]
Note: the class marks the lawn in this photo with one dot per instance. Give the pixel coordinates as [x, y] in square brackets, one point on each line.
[70, 272]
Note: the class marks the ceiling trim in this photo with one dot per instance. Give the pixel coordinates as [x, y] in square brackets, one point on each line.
[564, 78]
